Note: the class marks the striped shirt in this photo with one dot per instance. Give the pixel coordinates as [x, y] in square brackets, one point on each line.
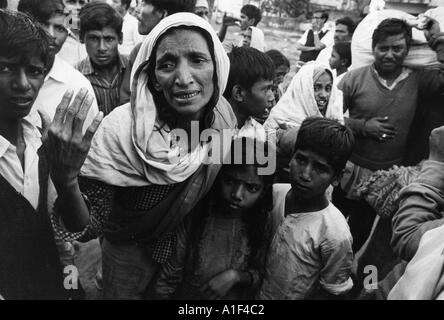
[107, 93]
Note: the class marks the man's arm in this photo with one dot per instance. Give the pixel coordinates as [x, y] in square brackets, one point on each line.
[422, 202]
[226, 22]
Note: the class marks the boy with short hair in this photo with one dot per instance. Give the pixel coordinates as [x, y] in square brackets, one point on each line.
[310, 255]
[101, 31]
[250, 17]
[29, 263]
[250, 84]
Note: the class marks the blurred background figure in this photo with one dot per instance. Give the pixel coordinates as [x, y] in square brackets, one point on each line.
[131, 35]
[202, 9]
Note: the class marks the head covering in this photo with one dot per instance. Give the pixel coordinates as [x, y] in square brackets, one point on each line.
[127, 150]
[318, 72]
[257, 39]
[202, 3]
[298, 102]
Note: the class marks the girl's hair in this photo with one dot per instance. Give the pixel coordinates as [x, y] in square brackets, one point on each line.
[165, 113]
[344, 51]
[255, 218]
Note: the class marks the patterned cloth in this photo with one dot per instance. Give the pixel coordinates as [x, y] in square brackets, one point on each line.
[100, 198]
[107, 93]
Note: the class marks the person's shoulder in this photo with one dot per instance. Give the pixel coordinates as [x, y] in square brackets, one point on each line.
[71, 75]
[133, 54]
[335, 225]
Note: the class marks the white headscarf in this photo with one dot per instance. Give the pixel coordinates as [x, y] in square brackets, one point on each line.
[298, 102]
[257, 39]
[127, 150]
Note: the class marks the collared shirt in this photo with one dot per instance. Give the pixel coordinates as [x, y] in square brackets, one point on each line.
[404, 75]
[25, 180]
[107, 93]
[131, 35]
[328, 38]
[62, 77]
[72, 51]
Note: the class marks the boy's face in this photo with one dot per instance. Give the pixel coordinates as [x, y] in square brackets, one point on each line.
[335, 60]
[55, 26]
[246, 42]
[240, 188]
[259, 99]
[19, 85]
[311, 174]
[102, 46]
[246, 22]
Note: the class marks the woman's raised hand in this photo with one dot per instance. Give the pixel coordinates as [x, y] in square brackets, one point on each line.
[66, 145]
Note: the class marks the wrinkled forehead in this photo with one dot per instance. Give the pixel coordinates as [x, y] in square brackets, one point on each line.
[201, 40]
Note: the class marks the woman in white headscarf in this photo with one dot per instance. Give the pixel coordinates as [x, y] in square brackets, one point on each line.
[140, 180]
[311, 93]
[254, 37]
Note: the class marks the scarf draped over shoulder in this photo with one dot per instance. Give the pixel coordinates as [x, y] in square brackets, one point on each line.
[129, 149]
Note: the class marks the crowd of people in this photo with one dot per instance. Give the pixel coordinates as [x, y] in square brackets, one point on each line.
[201, 175]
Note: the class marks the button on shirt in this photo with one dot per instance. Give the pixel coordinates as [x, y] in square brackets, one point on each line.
[25, 182]
[131, 36]
[62, 77]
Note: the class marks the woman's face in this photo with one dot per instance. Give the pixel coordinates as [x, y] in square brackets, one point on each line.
[184, 72]
[322, 91]
[247, 38]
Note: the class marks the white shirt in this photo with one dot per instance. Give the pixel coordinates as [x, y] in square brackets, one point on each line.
[72, 51]
[26, 181]
[131, 36]
[328, 39]
[62, 77]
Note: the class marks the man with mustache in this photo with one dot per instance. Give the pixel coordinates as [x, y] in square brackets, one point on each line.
[382, 100]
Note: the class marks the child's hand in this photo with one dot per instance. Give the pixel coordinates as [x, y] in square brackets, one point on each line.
[218, 286]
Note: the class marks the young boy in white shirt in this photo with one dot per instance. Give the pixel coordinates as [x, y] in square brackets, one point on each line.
[310, 255]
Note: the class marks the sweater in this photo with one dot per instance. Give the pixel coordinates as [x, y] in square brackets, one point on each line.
[365, 98]
[29, 264]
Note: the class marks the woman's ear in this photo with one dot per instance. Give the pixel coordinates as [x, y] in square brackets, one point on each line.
[237, 93]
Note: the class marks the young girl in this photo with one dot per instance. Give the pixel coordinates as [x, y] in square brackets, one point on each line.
[219, 246]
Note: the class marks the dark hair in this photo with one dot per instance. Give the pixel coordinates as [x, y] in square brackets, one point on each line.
[324, 14]
[42, 10]
[347, 21]
[98, 15]
[278, 58]
[22, 38]
[344, 51]
[247, 66]
[3, 4]
[252, 12]
[256, 217]
[392, 27]
[173, 6]
[328, 139]
[126, 3]
[166, 114]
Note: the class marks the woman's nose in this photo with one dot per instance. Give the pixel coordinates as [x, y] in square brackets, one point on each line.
[183, 75]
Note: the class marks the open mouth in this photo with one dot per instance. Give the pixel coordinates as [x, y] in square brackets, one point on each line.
[322, 103]
[185, 96]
